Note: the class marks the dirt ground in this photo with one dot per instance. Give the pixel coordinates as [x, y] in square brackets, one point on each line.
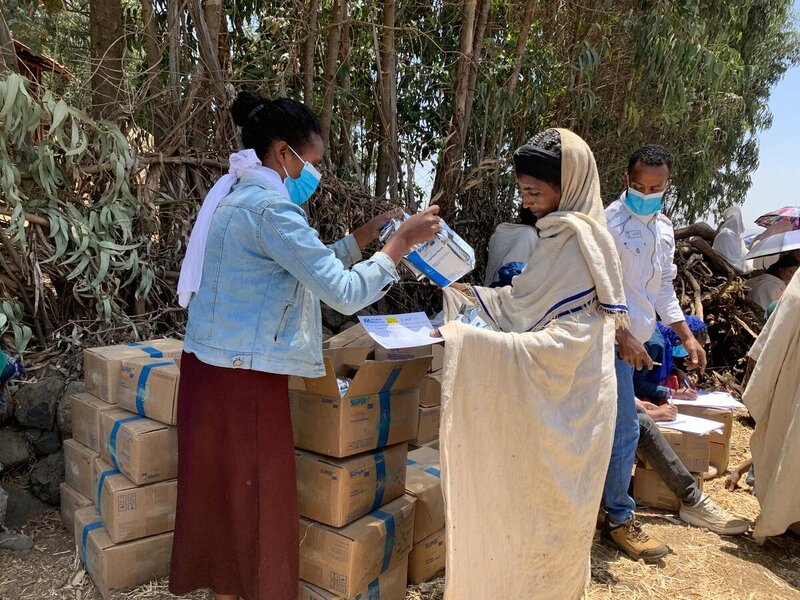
[703, 565]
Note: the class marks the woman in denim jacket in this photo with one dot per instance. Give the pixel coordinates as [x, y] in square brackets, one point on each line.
[253, 277]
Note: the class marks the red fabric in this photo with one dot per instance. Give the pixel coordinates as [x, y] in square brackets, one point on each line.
[672, 382]
[237, 529]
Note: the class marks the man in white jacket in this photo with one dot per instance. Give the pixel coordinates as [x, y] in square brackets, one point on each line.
[645, 241]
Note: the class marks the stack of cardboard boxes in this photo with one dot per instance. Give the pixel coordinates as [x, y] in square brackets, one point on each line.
[357, 524]
[693, 451]
[423, 482]
[121, 465]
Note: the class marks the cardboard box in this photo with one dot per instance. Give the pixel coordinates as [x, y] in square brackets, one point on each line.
[382, 353]
[145, 451]
[354, 336]
[338, 491]
[391, 585]
[115, 568]
[692, 450]
[79, 467]
[423, 482]
[71, 502]
[720, 443]
[430, 392]
[86, 411]
[379, 409]
[724, 416]
[437, 364]
[131, 512]
[102, 365]
[344, 561]
[427, 559]
[719, 455]
[149, 388]
[650, 489]
[428, 427]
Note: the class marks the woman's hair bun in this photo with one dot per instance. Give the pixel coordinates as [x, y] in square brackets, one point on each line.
[244, 105]
[264, 121]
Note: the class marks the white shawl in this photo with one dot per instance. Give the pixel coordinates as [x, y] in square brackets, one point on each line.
[241, 163]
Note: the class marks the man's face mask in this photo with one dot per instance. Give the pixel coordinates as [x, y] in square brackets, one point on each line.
[643, 205]
[302, 188]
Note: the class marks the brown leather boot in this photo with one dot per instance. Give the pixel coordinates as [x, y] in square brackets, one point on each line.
[633, 541]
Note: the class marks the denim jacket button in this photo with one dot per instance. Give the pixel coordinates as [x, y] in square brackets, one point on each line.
[237, 363]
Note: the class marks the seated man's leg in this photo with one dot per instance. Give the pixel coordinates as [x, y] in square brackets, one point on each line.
[655, 449]
[696, 509]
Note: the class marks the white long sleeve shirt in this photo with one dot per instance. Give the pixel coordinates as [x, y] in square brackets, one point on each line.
[765, 289]
[646, 247]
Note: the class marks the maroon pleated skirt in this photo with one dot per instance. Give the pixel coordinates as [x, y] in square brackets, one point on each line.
[236, 530]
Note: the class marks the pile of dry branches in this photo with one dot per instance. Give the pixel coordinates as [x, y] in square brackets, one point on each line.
[709, 288]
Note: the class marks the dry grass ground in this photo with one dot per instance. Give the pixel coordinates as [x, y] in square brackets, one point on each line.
[703, 566]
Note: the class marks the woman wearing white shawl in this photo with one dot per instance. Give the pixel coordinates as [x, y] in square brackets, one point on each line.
[729, 241]
[528, 414]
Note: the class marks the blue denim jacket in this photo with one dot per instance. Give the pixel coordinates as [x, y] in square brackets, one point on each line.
[264, 272]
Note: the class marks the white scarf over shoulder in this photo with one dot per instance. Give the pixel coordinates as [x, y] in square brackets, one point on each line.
[241, 163]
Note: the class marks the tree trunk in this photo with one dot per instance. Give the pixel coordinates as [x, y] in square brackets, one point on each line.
[522, 43]
[8, 56]
[106, 46]
[213, 14]
[308, 57]
[703, 230]
[448, 169]
[477, 47]
[174, 10]
[209, 54]
[386, 177]
[345, 154]
[331, 56]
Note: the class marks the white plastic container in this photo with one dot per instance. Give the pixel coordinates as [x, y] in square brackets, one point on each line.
[444, 260]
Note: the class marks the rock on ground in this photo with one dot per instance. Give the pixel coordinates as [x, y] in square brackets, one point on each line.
[22, 507]
[14, 450]
[36, 403]
[64, 409]
[44, 442]
[46, 478]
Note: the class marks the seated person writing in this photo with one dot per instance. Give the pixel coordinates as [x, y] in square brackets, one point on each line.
[665, 381]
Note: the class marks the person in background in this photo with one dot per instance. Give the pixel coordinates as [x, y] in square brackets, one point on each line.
[510, 247]
[10, 368]
[645, 242]
[768, 287]
[665, 381]
[696, 508]
[729, 241]
[253, 277]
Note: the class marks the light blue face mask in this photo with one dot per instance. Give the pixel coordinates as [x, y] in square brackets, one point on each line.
[302, 188]
[643, 205]
[679, 352]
